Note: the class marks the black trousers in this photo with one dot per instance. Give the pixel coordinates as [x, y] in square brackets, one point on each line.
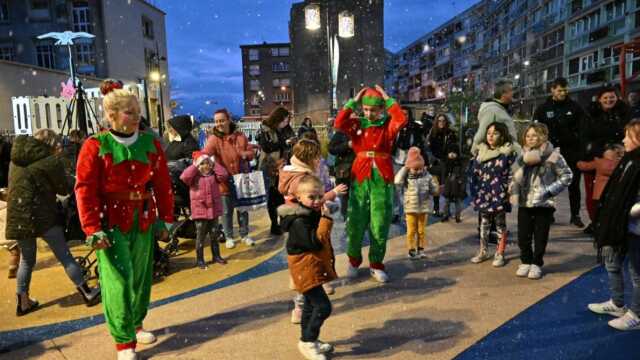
[533, 229]
[316, 309]
[574, 191]
[274, 199]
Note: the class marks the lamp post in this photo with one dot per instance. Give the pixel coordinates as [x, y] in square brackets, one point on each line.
[157, 77]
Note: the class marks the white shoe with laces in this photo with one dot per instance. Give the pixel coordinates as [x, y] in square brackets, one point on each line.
[498, 260]
[379, 275]
[248, 241]
[310, 350]
[607, 308]
[145, 337]
[127, 354]
[535, 272]
[629, 321]
[324, 347]
[230, 244]
[523, 270]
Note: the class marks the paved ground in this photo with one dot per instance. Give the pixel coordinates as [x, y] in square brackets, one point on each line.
[431, 309]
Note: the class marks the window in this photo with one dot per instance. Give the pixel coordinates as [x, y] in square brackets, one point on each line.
[149, 60]
[7, 52]
[281, 96]
[280, 51]
[280, 67]
[81, 17]
[256, 99]
[147, 27]
[254, 70]
[276, 82]
[39, 9]
[615, 9]
[254, 85]
[85, 54]
[4, 10]
[285, 82]
[574, 66]
[45, 56]
[254, 54]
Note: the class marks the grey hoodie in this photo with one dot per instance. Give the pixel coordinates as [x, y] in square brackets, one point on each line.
[490, 112]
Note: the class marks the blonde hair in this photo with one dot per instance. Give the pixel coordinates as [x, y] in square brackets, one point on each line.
[308, 182]
[48, 137]
[541, 129]
[633, 128]
[118, 100]
[306, 151]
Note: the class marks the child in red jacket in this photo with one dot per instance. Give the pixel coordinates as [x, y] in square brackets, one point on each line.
[203, 178]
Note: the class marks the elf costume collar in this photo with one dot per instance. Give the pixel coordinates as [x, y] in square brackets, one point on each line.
[366, 123]
[137, 151]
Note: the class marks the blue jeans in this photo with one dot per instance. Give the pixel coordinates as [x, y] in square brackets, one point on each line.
[614, 263]
[227, 218]
[56, 241]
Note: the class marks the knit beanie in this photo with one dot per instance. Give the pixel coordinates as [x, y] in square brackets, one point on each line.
[199, 157]
[414, 159]
[372, 97]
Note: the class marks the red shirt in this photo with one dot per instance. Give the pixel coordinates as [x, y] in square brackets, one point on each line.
[378, 139]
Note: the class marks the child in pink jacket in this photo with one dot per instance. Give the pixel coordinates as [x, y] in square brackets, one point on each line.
[203, 179]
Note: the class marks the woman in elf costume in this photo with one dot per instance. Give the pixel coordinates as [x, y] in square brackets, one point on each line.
[124, 196]
[371, 194]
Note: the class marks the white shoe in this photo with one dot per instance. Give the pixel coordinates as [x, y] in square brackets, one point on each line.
[324, 347]
[329, 289]
[535, 272]
[248, 241]
[127, 354]
[422, 254]
[379, 275]
[498, 260]
[145, 337]
[296, 315]
[629, 321]
[608, 308]
[352, 272]
[230, 244]
[310, 351]
[523, 270]
[480, 257]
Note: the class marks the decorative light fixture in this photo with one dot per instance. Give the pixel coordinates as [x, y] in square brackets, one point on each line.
[517, 76]
[346, 25]
[426, 48]
[527, 63]
[312, 17]
[462, 39]
[154, 75]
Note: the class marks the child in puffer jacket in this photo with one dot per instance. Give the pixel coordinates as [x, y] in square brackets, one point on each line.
[418, 188]
[540, 174]
[311, 260]
[203, 178]
[490, 184]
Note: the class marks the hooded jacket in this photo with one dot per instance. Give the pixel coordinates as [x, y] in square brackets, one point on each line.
[310, 254]
[204, 191]
[418, 190]
[187, 145]
[604, 168]
[491, 178]
[35, 177]
[537, 181]
[290, 176]
[339, 147]
[489, 112]
[230, 150]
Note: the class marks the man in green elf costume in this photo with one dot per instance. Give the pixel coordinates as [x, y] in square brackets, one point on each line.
[371, 196]
[124, 196]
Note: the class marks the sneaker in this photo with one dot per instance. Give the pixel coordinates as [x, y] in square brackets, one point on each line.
[248, 241]
[523, 270]
[145, 337]
[230, 244]
[498, 260]
[629, 321]
[575, 220]
[296, 315]
[608, 308]
[421, 253]
[352, 272]
[480, 257]
[379, 275]
[324, 347]
[535, 272]
[329, 289]
[413, 254]
[310, 350]
[127, 354]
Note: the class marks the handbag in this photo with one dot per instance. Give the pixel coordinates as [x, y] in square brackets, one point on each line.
[249, 191]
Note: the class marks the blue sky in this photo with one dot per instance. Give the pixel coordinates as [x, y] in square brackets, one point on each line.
[204, 38]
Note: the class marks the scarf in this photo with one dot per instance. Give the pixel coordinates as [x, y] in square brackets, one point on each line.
[612, 214]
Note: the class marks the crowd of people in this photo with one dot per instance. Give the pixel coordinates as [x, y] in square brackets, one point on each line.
[386, 167]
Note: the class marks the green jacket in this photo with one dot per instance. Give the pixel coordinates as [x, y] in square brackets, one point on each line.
[35, 177]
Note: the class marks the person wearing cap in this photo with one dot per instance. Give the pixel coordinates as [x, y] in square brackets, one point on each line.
[204, 177]
[418, 186]
[183, 144]
[371, 197]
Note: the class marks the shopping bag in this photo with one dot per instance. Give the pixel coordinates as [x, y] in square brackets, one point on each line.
[249, 191]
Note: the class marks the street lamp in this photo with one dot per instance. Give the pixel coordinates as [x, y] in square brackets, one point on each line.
[517, 77]
[462, 39]
[312, 17]
[346, 25]
[526, 63]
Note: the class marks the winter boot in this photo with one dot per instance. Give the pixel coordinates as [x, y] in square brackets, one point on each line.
[25, 305]
[200, 256]
[14, 261]
[91, 296]
[215, 252]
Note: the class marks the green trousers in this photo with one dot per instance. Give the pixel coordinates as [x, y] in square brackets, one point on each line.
[370, 208]
[126, 273]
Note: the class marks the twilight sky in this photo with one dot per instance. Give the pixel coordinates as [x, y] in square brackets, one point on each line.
[204, 38]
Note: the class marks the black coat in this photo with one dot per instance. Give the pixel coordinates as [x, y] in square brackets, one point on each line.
[339, 147]
[413, 134]
[304, 128]
[454, 179]
[566, 121]
[440, 145]
[605, 127]
[5, 160]
[187, 145]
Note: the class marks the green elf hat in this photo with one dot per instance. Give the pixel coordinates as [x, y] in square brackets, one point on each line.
[372, 97]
